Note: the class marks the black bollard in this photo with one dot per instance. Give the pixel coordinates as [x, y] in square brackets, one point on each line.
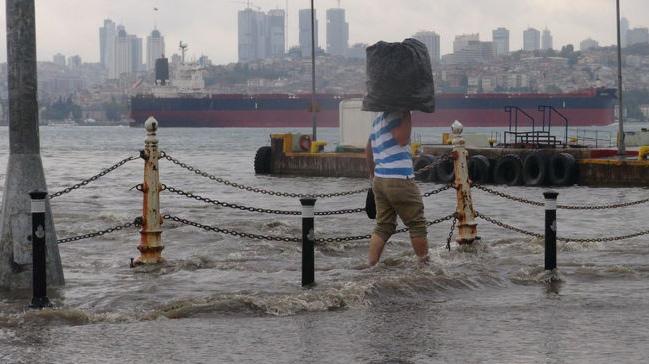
[308, 241]
[39, 276]
[550, 229]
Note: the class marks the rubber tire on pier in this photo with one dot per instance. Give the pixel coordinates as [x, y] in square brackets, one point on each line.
[263, 160]
[535, 169]
[444, 171]
[422, 161]
[479, 168]
[509, 170]
[563, 169]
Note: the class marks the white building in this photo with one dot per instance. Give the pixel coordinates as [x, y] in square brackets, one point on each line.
[431, 40]
[261, 35]
[462, 41]
[123, 63]
[637, 36]
[59, 59]
[587, 44]
[276, 33]
[531, 39]
[546, 40]
[305, 31]
[500, 38]
[107, 35]
[155, 48]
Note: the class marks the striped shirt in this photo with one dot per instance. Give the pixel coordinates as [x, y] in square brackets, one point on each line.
[390, 159]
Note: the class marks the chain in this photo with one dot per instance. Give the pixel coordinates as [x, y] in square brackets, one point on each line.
[256, 189]
[507, 226]
[137, 222]
[442, 158]
[93, 178]
[229, 232]
[255, 209]
[434, 192]
[578, 240]
[566, 207]
[450, 234]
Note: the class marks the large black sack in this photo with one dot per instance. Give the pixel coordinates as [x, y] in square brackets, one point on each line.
[399, 77]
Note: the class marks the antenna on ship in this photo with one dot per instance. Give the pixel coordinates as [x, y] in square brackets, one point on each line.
[183, 49]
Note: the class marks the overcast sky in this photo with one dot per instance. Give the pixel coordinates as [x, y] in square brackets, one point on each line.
[210, 26]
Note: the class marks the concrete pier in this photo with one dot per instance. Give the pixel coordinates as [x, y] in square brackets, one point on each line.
[595, 167]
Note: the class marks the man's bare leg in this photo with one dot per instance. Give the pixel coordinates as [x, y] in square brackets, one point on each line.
[376, 248]
[420, 245]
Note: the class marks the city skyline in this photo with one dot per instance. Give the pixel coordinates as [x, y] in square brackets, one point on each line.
[62, 32]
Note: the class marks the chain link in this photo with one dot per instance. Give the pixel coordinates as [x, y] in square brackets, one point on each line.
[565, 207]
[93, 178]
[136, 223]
[578, 240]
[229, 232]
[450, 234]
[441, 189]
[256, 189]
[255, 209]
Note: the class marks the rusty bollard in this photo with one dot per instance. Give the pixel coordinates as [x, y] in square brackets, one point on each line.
[151, 234]
[464, 210]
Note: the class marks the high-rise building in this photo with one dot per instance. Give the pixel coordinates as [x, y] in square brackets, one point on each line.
[474, 51]
[531, 39]
[637, 36]
[74, 61]
[261, 35]
[305, 31]
[337, 32]
[431, 40]
[59, 59]
[123, 55]
[136, 53]
[462, 41]
[587, 44]
[546, 39]
[276, 33]
[107, 35]
[155, 48]
[500, 38]
[624, 29]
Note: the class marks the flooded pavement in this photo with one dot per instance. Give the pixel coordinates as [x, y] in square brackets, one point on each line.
[220, 298]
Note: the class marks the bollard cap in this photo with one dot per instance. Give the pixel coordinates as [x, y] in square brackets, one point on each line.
[308, 201]
[457, 127]
[38, 195]
[151, 124]
[550, 195]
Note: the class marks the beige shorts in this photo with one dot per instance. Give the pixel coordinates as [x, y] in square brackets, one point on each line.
[398, 197]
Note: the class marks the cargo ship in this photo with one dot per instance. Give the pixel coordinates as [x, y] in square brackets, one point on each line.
[586, 108]
[184, 103]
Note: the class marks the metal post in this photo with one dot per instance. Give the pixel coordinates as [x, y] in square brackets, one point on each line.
[550, 229]
[39, 275]
[24, 168]
[313, 108]
[151, 234]
[467, 227]
[308, 241]
[621, 148]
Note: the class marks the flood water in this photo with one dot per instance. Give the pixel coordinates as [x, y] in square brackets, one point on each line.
[225, 299]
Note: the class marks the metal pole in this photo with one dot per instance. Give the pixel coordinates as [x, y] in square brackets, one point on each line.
[550, 229]
[39, 275]
[151, 234]
[621, 148]
[467, 227]
[24, 168]
[308, 241]
[313, 31]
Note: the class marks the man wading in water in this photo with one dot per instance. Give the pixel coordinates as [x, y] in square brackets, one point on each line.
[393, 184]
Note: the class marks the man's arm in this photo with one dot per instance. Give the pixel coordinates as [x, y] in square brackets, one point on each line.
[402, 132]
[369, 155]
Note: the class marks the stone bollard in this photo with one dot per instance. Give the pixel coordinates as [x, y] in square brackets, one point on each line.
[151, 234]
[550, 229]
[308, 241]
[464, 210]
[39, 262]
